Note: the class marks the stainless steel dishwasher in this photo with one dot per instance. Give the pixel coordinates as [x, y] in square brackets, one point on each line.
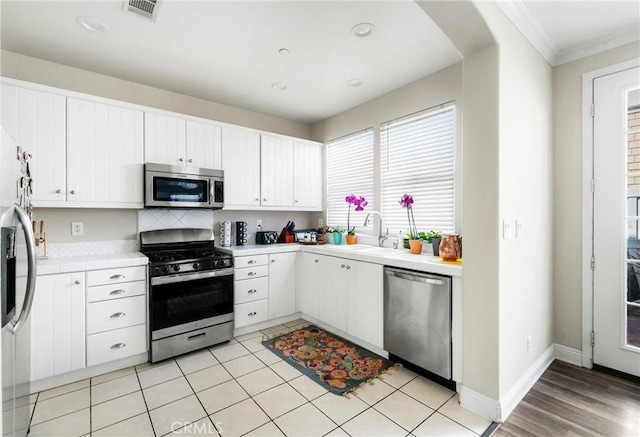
[417, 319]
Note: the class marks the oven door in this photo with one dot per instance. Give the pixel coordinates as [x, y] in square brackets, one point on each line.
[181, 303]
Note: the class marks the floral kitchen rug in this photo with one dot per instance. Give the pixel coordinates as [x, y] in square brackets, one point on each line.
[333, 362]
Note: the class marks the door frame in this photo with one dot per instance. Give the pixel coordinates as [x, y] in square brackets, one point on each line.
[587, 201]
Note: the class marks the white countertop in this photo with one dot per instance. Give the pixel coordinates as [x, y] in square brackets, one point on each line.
[389, 257]
[66, 264]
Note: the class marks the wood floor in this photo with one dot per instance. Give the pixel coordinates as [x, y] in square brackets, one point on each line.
[569, 401]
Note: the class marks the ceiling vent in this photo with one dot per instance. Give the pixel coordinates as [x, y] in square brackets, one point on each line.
[145, 8]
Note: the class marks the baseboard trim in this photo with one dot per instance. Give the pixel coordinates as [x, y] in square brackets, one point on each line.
[478, 403]
[567, 354]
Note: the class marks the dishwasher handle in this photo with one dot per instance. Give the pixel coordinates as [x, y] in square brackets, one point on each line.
[415, 278]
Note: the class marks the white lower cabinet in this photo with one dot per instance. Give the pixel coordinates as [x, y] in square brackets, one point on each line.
[58, 325]
[343, 293]
[116, 314]
[251, 312]
[282, 284]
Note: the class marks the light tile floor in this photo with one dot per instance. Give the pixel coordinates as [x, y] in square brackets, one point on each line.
[241, 388]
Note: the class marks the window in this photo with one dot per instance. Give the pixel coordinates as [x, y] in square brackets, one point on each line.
[349, 171]
[418, 158]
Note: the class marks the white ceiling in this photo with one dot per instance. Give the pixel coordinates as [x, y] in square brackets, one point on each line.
[227, 52]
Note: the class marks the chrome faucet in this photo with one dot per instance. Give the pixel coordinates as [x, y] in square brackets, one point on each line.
[381, 237]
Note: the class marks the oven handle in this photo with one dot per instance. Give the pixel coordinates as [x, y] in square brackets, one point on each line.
[191, 276]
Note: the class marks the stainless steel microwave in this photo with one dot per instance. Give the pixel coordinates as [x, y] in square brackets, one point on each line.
[170, 186]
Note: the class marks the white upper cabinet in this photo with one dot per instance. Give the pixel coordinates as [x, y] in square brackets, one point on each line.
[36, 120]
[104, 155]
[241, 165]
[307, 175]
[204, 145]
[164, 139]
[176, 141]
[276, 171]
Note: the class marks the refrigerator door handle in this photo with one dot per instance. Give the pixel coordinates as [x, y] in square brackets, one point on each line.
[31, 265]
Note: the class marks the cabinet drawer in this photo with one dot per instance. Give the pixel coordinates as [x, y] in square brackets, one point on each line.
[250, 290]
[251, 272]
[251, 312]
[113, 345]
[250, 261]
[116, 276]
[116, 314]
[116, 291]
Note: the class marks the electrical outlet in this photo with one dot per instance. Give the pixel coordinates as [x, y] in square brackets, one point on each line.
[506, 229]
[320, 223]
[258, 223]
[518, 228]
[529, 344]
[77, 228]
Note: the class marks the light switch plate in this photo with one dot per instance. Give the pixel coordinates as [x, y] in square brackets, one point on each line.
[506, 229]
[518, 228]
[77, 228]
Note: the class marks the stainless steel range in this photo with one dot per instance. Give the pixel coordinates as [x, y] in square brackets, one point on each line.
[191, 295]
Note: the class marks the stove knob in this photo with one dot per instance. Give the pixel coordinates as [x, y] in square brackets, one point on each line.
[176, 268]
[196, 266]
[165, 269]
[220, 263]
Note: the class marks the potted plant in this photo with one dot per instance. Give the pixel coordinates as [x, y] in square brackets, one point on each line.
[434, 237]
[337, 234]
[415, 243]
[359, 203]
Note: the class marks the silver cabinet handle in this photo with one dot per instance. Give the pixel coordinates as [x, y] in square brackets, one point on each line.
[257, 200]
[252, 291]
[273, 260]
[342, 266]
[117, 277]
[73, 191]
[58, 191]
[25, 221]
[181, 159]
[295, 201]
[117, 315]
[252, 313]
[116, 292]
[264, 200]
[77, 282]
[316, 260]
[251, 273]
[118, 346]
[348, 267]
[250, 261]
[190, 160]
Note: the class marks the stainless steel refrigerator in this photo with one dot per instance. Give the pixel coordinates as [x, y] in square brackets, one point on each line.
[18, 278]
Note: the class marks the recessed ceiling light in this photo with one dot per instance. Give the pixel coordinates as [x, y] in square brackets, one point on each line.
[279, 86]
[354, 82]
[284, 51]
[91, 24]
[362, 30]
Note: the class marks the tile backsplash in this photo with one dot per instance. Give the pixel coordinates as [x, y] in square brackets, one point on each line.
[153, 219]
[85, 248]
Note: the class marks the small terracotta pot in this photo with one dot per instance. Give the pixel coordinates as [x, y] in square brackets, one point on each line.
[351, 238]
[415, 246]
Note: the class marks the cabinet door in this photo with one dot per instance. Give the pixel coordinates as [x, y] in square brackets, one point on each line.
[307, 175]
[104, 155]
[276, 167]
[308, 284]
[36, 120]
[282, 284]
[58, 325]
[333, 291]
[241, 165]
[164, 139]
[204, 148]
[365, 300]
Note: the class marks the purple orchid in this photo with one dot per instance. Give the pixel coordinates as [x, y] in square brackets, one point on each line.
[407, 202]
[359, 203]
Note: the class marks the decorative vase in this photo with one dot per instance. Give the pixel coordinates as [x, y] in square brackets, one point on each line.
[337, 238]
[451, 247]
[351, 238]
[435, 243]
[415, 246]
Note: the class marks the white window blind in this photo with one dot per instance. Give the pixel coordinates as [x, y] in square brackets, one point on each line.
[418, 158]
[349, 171]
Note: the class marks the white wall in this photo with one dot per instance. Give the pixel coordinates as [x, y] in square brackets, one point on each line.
[36, 70]
[567, 173]
[525, 177]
